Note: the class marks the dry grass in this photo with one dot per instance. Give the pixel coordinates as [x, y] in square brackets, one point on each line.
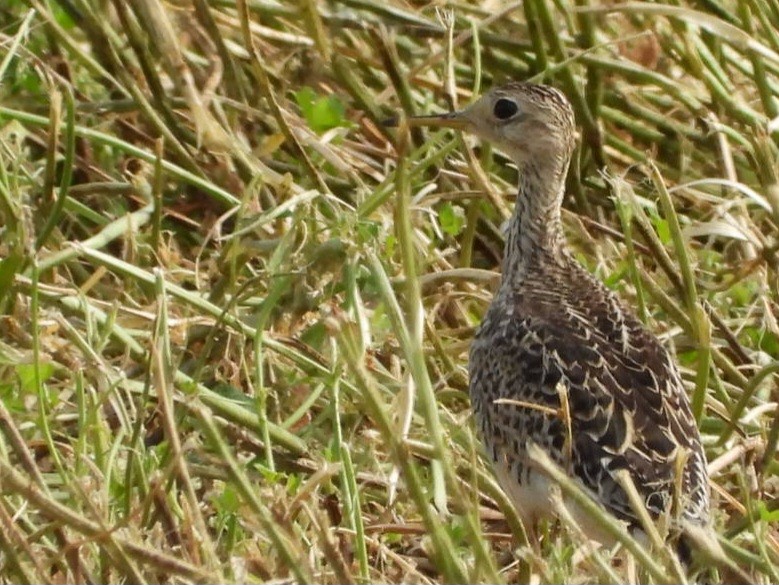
[236, 309]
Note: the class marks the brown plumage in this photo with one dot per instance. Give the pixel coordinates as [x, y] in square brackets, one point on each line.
[552, 328]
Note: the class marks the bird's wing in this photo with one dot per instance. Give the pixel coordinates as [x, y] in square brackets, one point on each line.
[626, 406]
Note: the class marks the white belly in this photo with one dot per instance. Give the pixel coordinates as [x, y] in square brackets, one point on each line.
[534, 500]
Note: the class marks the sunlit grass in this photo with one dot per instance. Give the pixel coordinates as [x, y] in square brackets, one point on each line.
[236, 308]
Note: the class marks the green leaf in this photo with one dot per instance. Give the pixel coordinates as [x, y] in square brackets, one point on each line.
[305, 99]
[458, 529]
[293, 484]
[26, 373]
[315, 336]
[8, 268]
[767, 515]
[321, 112]
[616, 278]
[233, 393]
[743, 292]
[368, 230]
[389, 244]
[63, 18]
[451, 218]
[228, 501]
[663, 231]
[11, 398]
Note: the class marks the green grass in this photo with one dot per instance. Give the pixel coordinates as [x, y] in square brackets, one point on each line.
[236, 309]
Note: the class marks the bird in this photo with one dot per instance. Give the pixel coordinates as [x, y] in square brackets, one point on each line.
[554, 339]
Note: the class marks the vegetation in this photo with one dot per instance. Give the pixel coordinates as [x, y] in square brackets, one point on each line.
[236, 309]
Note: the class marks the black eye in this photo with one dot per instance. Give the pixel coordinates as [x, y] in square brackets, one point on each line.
[504, 109]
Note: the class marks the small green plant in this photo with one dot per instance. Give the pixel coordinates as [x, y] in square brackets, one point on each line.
[320, 112]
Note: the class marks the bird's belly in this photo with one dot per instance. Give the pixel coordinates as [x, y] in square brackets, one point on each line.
[534, 499]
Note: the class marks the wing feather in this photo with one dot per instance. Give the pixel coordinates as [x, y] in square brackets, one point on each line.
[628, 407]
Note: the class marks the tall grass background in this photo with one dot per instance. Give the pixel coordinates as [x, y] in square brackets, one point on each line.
[236, 309]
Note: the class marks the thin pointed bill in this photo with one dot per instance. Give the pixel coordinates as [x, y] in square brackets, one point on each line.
[456, 120]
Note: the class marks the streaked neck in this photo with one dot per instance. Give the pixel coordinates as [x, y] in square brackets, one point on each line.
[535, 235]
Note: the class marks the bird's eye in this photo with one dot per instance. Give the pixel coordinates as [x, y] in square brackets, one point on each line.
[504, 109]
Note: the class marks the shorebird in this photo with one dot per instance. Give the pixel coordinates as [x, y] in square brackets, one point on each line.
[555, 340]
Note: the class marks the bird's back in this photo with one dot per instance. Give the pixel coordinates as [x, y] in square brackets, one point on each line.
[561, 331]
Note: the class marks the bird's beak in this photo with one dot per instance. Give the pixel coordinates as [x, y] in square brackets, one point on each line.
[456, 120]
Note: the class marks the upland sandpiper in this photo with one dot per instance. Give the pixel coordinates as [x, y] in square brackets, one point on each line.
[556, 337]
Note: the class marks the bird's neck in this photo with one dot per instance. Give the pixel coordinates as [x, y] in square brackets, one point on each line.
[535, 236]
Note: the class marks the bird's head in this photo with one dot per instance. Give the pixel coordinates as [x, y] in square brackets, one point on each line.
[531, 123]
